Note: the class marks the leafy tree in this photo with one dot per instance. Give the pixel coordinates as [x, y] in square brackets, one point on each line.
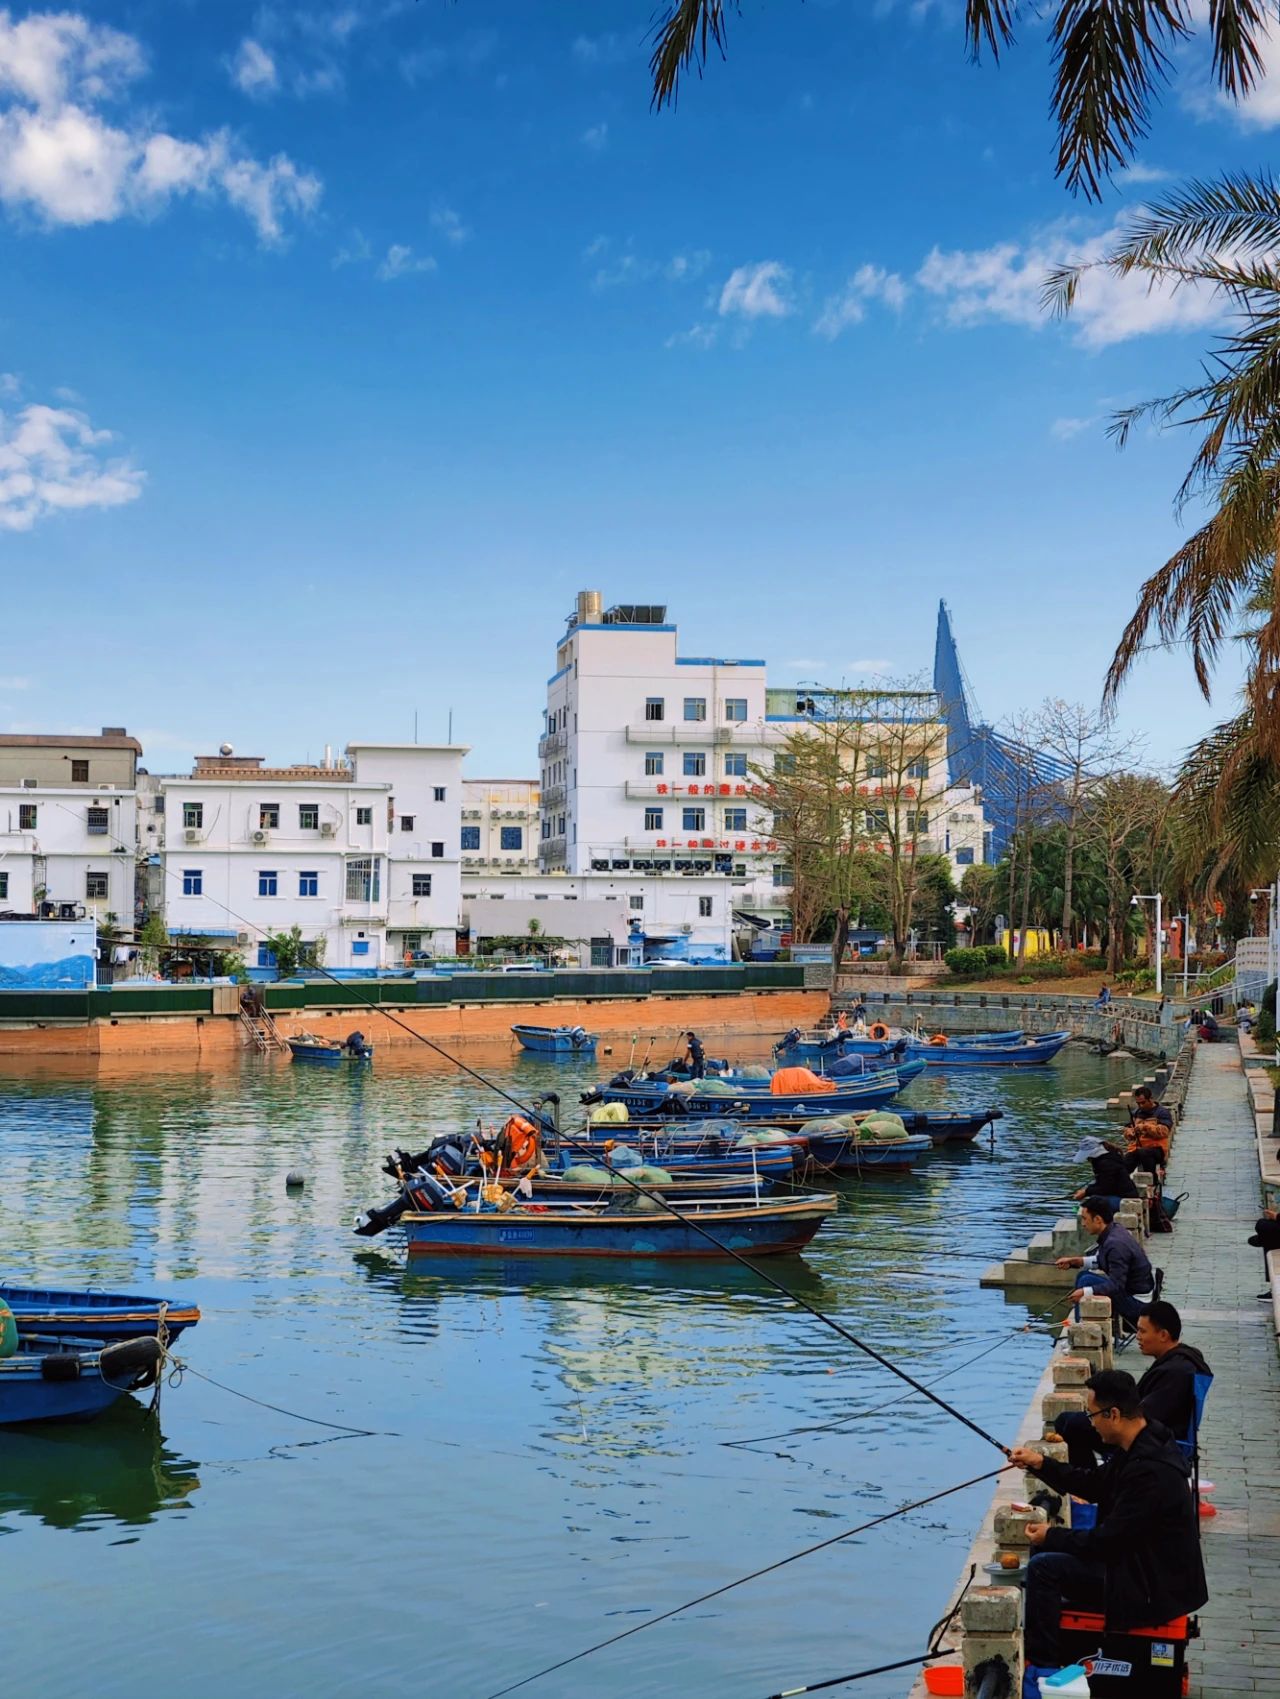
[292, 951]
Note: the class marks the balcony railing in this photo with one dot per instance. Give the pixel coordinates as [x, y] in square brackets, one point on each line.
[553, 743]
[654, 733]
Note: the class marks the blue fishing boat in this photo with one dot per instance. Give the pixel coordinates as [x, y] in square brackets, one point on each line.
[825, 1047]
[329, 1052]
[108, 1316]
[65, 1380]
[841, 1151]
[613, 1230]
[710, 1149]
[555, 1040]
[943, 1052]
[949, 1126]
[746, 1100]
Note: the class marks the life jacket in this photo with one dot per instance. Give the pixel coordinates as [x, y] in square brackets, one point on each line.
[520, 1148]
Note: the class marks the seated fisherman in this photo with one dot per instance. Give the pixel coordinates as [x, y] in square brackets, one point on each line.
[1167, 1389]
[1111, 1179]
[1140, 1565]
[1148, 1133]
[1118, 1269]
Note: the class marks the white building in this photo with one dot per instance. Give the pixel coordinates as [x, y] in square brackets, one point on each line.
[605, 919]
[499, 831]
[68, 825]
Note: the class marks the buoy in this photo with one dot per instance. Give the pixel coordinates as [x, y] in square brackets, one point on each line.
[295, 1180]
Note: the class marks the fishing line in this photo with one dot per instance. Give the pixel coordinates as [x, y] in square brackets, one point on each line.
[663, 1203]
[768, 1569]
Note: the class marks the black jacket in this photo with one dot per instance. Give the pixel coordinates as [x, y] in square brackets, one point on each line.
[1147, 1537]
[1168, 1391]
[1111, 1177]
[1124, 1262]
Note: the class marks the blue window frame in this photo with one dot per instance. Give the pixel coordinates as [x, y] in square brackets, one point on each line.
[511, 838]
[471, 837]
[265, 957]
[308, 884]
[192, 882]
[695, 707]
[653, 764]
[695, 819]
[735, 708]
[964, 857]
[735, 819]
[735, 766]
[695, 763]
[360, 947]
[653, 819]
[268, 883]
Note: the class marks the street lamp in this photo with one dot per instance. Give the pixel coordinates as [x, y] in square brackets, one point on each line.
[1154, 897]
[1186, 946]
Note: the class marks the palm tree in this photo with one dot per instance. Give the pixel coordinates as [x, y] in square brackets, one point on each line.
[1110, 59]
[1221, 236]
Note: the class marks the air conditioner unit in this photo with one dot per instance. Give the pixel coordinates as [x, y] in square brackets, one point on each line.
[105, 787]
[260, 837]
[29, 784]
[192, 835]
[327, 828]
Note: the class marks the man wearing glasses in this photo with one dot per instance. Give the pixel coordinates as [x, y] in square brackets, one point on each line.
[1140, 1565]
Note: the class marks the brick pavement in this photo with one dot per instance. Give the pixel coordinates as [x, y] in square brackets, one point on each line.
[1214, 1277]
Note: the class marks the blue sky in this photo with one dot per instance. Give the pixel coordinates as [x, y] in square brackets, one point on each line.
[346, 342]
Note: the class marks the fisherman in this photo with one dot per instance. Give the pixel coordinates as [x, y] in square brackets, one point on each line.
[1118, 1269]
[695, 1057]
[1167, 1389]
[1140, 1564]
[1148, 1133]
[1111, 1177]
[1104, 997]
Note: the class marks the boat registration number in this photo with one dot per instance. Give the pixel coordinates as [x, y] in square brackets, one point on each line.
[515, 1235]
[1110, 1666]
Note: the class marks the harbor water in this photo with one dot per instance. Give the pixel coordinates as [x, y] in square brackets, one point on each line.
[548, 1454]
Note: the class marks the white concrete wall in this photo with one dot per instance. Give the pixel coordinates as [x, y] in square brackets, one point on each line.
[430, 847]
[60, 852]
[488, 807]
[561, 903]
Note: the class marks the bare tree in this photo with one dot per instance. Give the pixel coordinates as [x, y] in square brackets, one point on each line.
[1084, 742]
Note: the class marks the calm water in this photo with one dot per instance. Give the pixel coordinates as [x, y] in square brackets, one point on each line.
[548, 1456]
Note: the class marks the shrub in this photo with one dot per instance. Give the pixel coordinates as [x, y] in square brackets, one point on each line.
[967, 961]
[996, 954]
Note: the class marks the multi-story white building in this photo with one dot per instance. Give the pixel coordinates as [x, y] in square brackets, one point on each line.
[499, 831]
[605, 920]
[68, 825]
[656, 763]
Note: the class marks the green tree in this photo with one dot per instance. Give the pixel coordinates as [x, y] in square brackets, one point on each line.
[292, 951]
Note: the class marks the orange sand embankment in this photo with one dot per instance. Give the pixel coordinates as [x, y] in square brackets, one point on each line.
[748, 1013]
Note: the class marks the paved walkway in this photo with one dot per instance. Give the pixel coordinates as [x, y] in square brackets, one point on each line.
[1214, 1277]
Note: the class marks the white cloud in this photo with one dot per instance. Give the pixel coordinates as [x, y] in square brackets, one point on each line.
[697, 336]
[757, 291]
[62, 161]
[684, 266]
[619, 264]
[1140, 173]
[875, 668]
[253, 70]
[595, 138]
[10, 383]
[1260, 109]
[354, 251]
[849, 304]
[401, 261]
[606, 49]
[52, 460]
[1005, 282]
[1062, 430]
[446, 222]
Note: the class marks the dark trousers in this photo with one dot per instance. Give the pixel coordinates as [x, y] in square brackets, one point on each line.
[1055, 1579]
[1121, 1302]
[1077, 1430]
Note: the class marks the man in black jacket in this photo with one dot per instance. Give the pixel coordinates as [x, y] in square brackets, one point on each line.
[1167, 1389]
[1120, 1270]
[1141, 1564]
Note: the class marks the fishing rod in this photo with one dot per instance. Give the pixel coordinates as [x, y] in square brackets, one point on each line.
[742, 1580]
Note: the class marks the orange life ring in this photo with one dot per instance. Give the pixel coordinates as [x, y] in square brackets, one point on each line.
[939, 1038]
[878, 1030]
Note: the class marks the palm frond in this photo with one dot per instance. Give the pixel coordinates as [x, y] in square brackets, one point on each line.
[683, 38]
[1237, 213]
[1239, 26]
[989, 21]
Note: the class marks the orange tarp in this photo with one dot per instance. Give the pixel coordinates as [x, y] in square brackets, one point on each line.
[792, 1082]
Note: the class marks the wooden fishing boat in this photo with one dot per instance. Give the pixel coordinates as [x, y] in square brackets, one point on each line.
[608, 1230]
[328, 1052]
[68, 1379]
[1031, 1052]
[555, 1040]
[109, 1316]
[752, 1100]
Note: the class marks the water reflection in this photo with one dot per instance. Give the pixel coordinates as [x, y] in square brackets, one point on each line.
[118, 1471]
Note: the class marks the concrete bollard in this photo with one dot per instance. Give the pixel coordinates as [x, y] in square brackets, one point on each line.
[1132, 1219]
[1069, 1372]
[990, 1619]
[1085, 1339]
[1011, 1531]
[1056, 1404]
[1098, 1310]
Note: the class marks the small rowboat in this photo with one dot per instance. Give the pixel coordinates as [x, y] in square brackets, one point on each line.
[95, 1315]
[52, 1380]
[605, 1230]
[327, 1051]
[960, 1053]
[824, 1048]
[555, 1040]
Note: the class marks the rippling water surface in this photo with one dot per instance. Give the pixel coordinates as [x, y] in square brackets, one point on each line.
[548, 1459]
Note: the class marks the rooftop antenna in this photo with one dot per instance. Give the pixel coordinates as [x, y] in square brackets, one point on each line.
[449, 739]
[415, 725]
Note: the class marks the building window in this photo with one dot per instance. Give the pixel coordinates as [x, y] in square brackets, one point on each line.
[97, 822]
[268, 816]
[636, 902]
[308, 817]
[546, 828]
[654, 708]
[422, 884]
[406, 822]
[192, 882]
[735, 766]
[877, 820]
[784, 765]
[79, 772]
[437, 852]
[735, 819]
[695, 764]
[4, 887]
[704, 907]
[364, 817]
[735, 707]
[919, 769]
[437, 793]
[964, 857]
[918, 820]
[511, 838]
[308, 884]
[193, 814]
[26, 816]
[412, 943]
[653, 819]
[268, 884]
[783, 876]
[471, 837]
[653, 764]
[157, 802]
[265, 957]
[96, 886]
[360, 947]
[364, 879]
[876, 768]
[695, 707]
[695, 819]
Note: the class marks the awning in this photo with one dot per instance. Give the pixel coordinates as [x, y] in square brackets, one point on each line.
[756, 920]
[189, 932]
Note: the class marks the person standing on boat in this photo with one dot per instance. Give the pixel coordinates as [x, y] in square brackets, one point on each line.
[695, 1057]
[1118, 1269]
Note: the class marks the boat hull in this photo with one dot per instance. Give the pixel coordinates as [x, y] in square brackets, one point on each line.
[94, 1315]
[1029, 1053]
[871, 1092]
[71, 1380]
[775, 1162]
[751, 1231]
[329, 1056]
[842, 1153]
[554, 1041]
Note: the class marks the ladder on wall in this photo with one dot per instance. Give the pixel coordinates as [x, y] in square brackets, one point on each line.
[263, 1032]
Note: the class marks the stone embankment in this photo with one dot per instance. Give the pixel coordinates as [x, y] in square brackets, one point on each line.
[1128, 1022]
